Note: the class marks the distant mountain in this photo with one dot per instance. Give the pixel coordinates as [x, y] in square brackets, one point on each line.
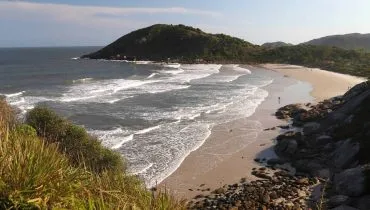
[275, 44]
[177, 42]
[352, 41]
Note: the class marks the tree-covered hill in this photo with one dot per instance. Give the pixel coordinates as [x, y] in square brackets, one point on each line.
[179, 42]
[330, 58]
[185, 44]
[275, 44]
[352, 41]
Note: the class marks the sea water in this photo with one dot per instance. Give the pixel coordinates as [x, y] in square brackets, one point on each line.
[152, 114]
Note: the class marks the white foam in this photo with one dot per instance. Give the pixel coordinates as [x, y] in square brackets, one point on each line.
[151, 75]
[76, 58]
[143, 169]
[83, 80]
[114, 138]
[171, 65]
[124, 140]
[14, 94]
[99, 90]
[147, 130]
[241, 69]
[142, 62]
[172, 71]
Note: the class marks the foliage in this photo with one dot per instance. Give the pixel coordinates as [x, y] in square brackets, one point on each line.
[35, 174]
[178, 42]
[354, 41]
[74, 141]
[188, 45]
[330, 58]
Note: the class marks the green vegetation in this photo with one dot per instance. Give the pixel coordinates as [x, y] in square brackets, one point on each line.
[49, 164]
[353, 41]
[330, 58]
[191, 45]
[178, 42]
[275, 44]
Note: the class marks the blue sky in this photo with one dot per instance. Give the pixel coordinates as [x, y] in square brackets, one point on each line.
[99, 22]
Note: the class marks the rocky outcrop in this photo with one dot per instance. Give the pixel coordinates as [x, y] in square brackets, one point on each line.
[274, 190]
[334, 144]
[350, 182]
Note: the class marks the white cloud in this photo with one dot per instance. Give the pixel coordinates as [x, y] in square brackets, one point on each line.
[78, 12]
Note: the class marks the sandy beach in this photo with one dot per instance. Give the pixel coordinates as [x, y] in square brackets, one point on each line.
[325, 84]
[228, 154]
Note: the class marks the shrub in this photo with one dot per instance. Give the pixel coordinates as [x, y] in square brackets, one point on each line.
[74, 141]
[36, 173]
[47, 123]
[7, 117]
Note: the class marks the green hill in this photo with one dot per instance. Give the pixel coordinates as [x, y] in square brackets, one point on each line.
[191, 45]
[178, 42]
[352, 41]
[275, 44]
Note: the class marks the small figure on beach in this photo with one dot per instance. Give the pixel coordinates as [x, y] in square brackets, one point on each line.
[279, 99]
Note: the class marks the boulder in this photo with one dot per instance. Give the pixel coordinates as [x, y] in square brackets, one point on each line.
[356, 90]
[345, 154]
[338, 200]
[323, 173]
[323, 140]
[363, 203]
[274, 161]
[344, 207]
[286, 147]
[310, 128]
[350, 182]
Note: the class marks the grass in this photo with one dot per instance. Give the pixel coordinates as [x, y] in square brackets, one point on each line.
[38, 172]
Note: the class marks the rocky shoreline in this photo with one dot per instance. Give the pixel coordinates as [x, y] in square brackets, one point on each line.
[327, 146]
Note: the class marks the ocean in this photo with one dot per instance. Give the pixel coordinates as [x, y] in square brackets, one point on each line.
[152, 114]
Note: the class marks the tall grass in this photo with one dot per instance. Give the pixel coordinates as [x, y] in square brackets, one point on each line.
[37, 172]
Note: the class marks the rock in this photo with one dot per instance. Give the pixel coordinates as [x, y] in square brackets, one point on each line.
[363, 203]
[303, 181]
[356, 90]
[283, 126]
[260, 174]
[273, 195]
[301, 193]
[250, 189]
[310, 128]
[323, 140]
[202, 185]
[350, 182]
[323, 173]
[346, 153]
[338, 200]
[198, 196]
[266, 198]
[286, 147]
[289, 111]
[219, 190]
[274, 161]
[344, 207]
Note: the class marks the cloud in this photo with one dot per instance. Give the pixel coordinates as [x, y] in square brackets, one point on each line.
[64, 24]
[76, 12]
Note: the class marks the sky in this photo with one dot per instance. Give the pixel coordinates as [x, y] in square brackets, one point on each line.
[37, 23]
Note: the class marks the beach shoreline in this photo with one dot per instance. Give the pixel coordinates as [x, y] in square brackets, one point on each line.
[228, 153]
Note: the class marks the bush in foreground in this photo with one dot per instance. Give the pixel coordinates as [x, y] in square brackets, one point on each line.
[74, 141]
[36, 173]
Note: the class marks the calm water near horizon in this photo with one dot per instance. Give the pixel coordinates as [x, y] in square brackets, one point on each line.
[152, 114]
